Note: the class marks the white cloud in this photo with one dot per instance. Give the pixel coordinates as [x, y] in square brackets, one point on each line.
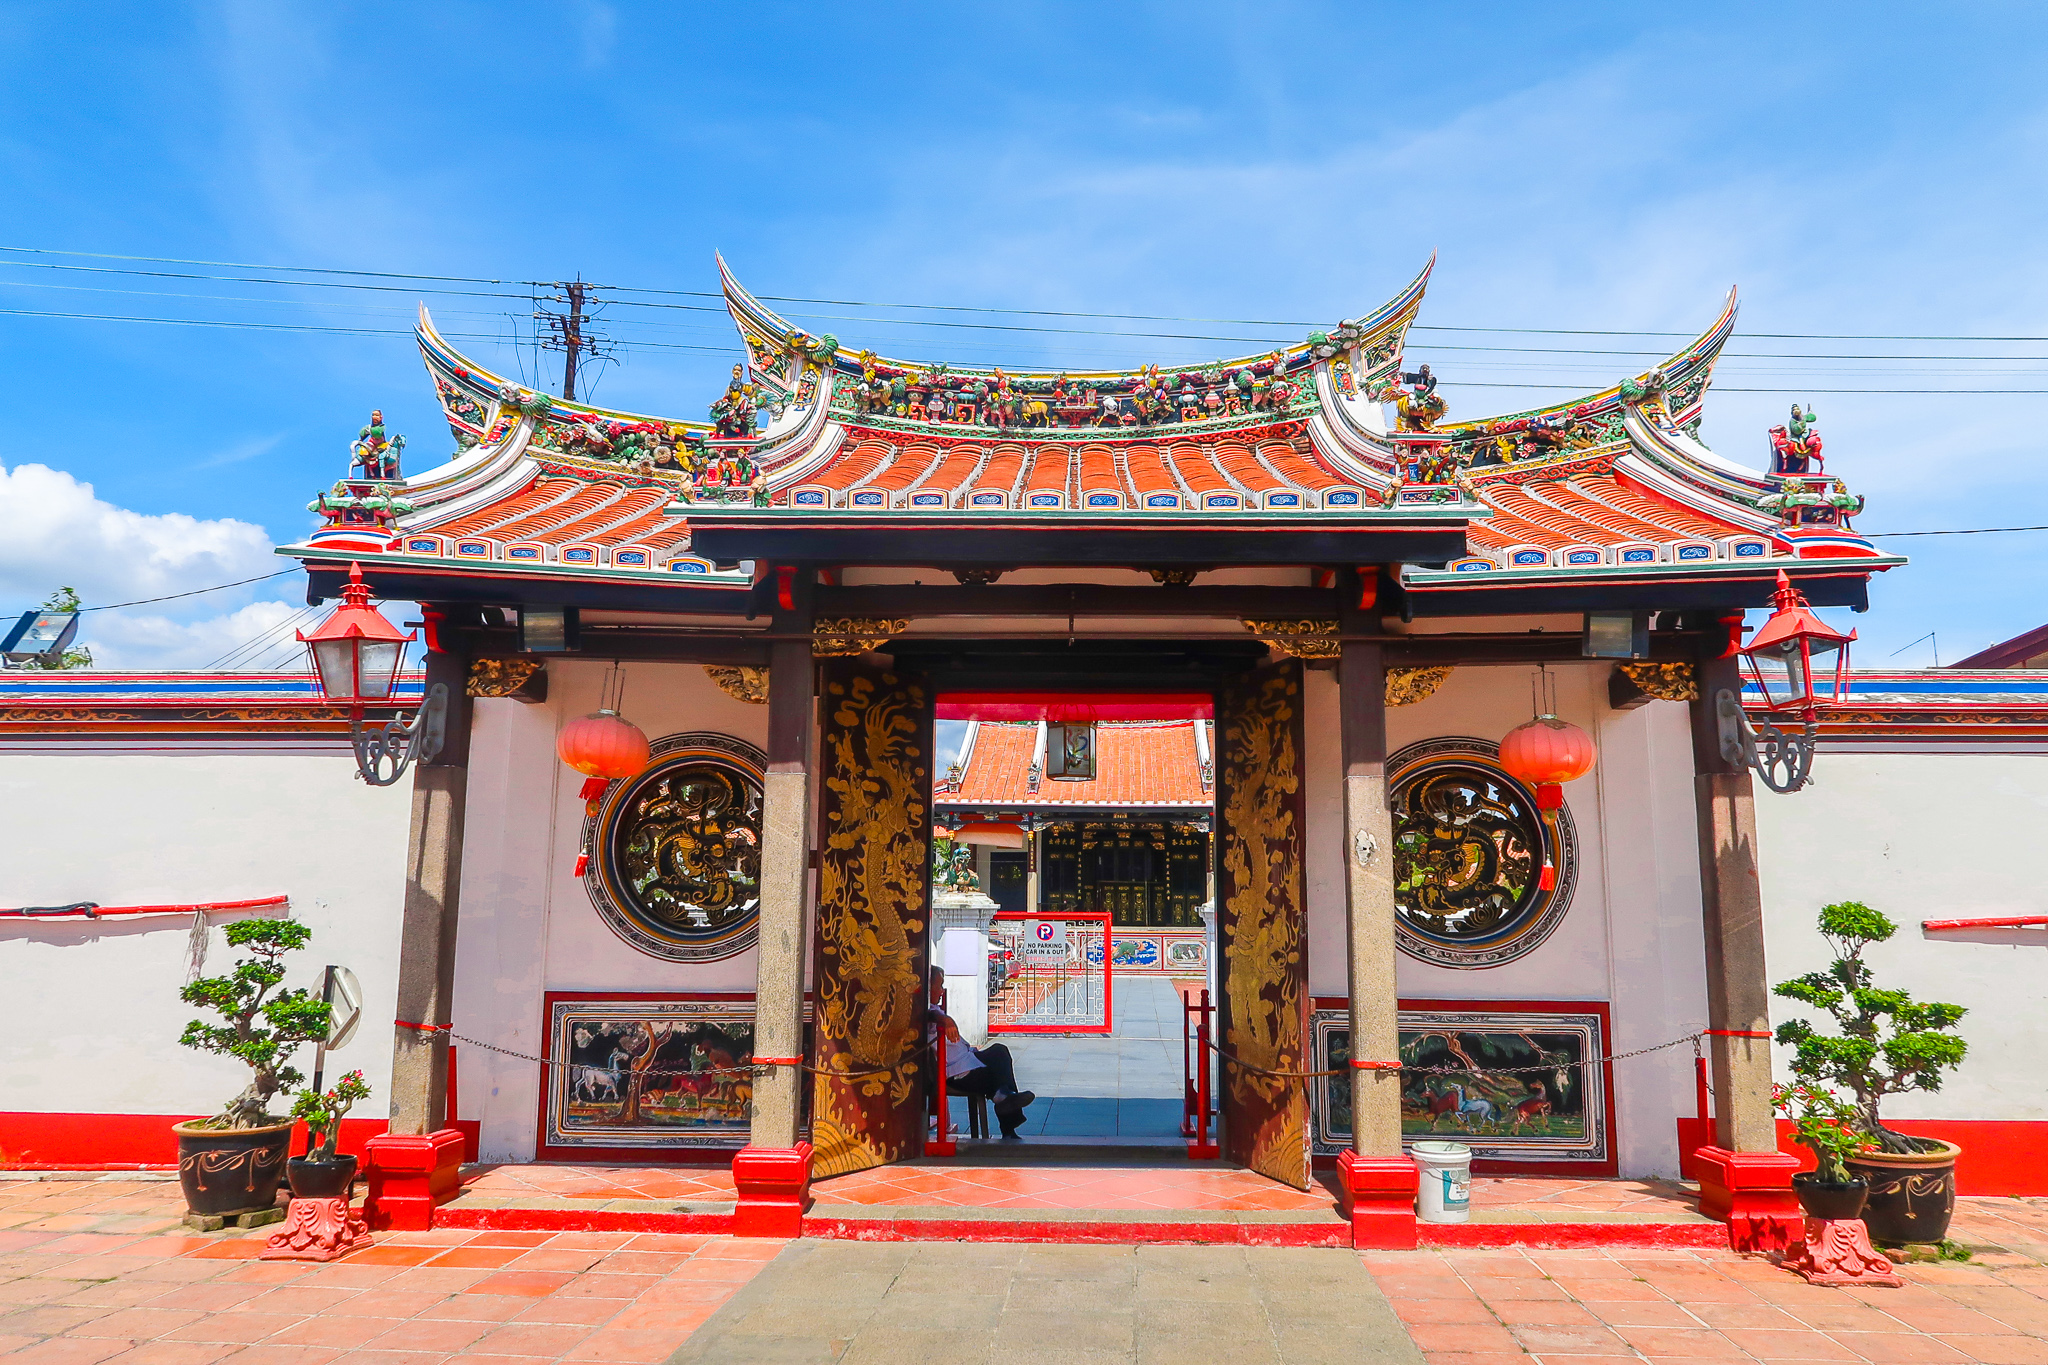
[54, 530]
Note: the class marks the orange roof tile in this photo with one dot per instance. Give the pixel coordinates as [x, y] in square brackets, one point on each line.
[1137, 763]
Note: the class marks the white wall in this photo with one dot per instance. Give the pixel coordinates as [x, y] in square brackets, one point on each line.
[1918, 837]
[90, 1016]
[527, 925]
[1632, 934]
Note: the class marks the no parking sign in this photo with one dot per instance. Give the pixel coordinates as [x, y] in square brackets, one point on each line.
[1046, 938]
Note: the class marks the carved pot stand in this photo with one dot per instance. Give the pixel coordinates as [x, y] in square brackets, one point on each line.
[1838, 1251]
[320, 1225]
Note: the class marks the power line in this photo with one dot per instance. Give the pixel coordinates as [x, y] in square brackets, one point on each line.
[260, 578]
[969, 308]
[1970, 531]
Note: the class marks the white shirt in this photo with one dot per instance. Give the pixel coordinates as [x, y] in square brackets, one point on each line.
[960, 1058]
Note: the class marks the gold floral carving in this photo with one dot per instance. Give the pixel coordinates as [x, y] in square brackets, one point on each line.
[1264, 921]
[1173, 578]
[872, 914]
[1665, 682]
[1405, 686]
[501, 677]
[1298, 639]
[740, 683]
[848, 635]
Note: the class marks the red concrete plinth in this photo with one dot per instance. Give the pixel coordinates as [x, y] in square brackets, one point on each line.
[317, 1230]
[409, 1175]
[1752, 1193]
[1838, 1251]
[774, 1187]
[1377, 1193]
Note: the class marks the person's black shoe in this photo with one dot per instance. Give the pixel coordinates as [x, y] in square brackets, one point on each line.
[1012, 1135]
[1015, 1104]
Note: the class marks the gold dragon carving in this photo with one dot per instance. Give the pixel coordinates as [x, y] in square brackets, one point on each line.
[741, 683]
[1406, 686]
[849, 635]
[1664, 681]
[872, 888]
[1309, 639]
[1264, 922]
[501, 677]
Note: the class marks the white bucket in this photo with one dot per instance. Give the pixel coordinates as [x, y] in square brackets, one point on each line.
[1444, 1194]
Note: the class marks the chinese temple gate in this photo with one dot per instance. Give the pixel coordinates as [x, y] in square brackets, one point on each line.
[1327, 590]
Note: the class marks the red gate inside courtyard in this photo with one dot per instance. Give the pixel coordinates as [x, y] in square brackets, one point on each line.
[1049, 973]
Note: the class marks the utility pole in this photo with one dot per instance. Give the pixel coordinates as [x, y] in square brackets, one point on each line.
[568, 330]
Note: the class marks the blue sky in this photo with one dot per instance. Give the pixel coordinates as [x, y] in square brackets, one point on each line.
[1875, 170]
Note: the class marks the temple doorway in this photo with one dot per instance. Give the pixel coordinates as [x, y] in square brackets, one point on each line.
[1092, 816]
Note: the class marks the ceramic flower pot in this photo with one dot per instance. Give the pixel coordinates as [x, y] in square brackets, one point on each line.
[324, 1179]
[229, 1170]
[1830, 1199]
[1912, 1194]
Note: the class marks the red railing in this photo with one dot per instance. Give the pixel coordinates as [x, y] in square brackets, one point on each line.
[1197, 1105]
[2015, 922]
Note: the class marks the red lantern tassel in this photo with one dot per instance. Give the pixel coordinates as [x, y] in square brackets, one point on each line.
[583, 865]
[1549, 796]
[1546, 880]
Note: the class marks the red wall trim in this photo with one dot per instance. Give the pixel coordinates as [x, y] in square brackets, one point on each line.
[77, 1141]
[2000, 1156]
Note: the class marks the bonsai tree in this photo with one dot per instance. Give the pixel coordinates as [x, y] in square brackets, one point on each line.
[243, 998]
[1825, 1125]
[1889, 1043]
[322, 1113]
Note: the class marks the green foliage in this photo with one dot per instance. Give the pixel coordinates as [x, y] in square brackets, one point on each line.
[1825, 1125]
[323, 1113]
[1888, 1044]
[242, 998]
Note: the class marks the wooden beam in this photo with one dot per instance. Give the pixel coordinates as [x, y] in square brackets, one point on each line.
[891, 600]
[1550, 646]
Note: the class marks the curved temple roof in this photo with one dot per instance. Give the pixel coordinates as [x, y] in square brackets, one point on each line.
[1330, 432]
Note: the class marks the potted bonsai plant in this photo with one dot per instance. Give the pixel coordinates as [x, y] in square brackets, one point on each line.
[232, 1162]
[1826, 1126]
[1889, 1044]
[320, 1173]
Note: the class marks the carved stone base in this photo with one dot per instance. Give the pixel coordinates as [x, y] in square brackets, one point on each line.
[1838, 1251]
[317, 1230]
[1752, 1193]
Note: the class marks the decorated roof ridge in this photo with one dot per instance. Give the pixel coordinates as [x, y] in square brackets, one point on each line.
[771, 338]
[1679, 383]
[443, 360]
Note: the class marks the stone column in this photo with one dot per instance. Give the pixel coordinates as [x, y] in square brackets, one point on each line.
[1378, 1180]
[772, 1173]
[1745, 1178]
[416, 1164]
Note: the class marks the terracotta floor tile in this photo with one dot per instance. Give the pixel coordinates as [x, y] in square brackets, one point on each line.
[474, 1307]
[532, 1339]
[675, 1318]
[272, 1353]
[1442, 1310]
[1549, 1342]
[1781, 1344]
[667, 1241]
[1497, 1289]
[436, 1279]
[267, 1272]
[236, 1326]
[525, 1283]
[344, 1333]
[632, 1347]
[302, 1298]
[601, 1286]
[441, 1336]
[137, 1324]
[2004, 1350]
[1677, 1343]
[572, 1311]
[212, 1297]
[173, 1353]
[478, 1258]
[1898, 1348]
[385, 1301]
[508, 1239]
[388, 1253]
[233, 1249]
[68, 1351]
[1612, 1291]
[1462, 1336]
[550, 1257]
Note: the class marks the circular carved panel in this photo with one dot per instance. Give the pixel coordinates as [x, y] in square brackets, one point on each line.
[675, 866]
[1469, 846]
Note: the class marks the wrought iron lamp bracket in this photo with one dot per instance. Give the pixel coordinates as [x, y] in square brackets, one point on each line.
[384, 752]
[1782, 758]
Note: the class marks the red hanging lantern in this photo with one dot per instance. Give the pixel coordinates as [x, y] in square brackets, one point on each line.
[1546, 753]
[604, 747]
[1797, 660]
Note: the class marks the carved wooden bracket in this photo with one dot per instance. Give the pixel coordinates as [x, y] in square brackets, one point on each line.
[1637, 682]
[852, 635]
[1309, 639]
[741, 683]
[525, 679]
[1409, 685]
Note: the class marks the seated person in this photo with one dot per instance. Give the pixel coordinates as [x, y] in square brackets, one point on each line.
[981, 1071]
